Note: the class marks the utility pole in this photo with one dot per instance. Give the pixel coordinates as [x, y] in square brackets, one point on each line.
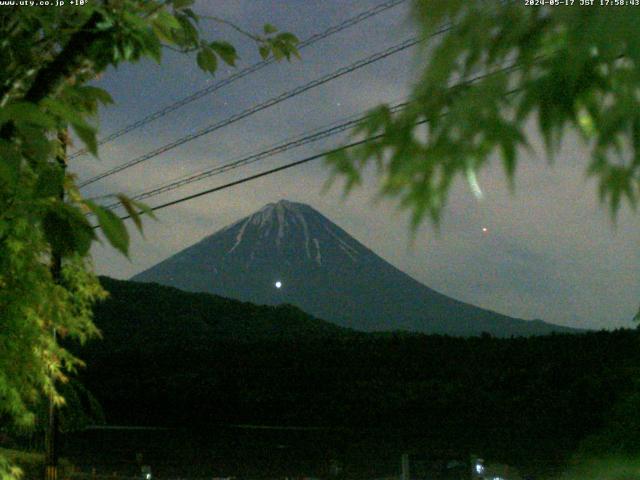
[51, 436]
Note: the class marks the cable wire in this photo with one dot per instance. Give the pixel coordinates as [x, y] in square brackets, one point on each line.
[309, 137]
[318, 134]
[406, 44]
[315, 135]
[317, 156]
[258, 175]
[348, 23]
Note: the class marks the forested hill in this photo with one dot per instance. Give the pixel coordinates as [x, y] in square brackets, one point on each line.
[151, 316]
[197, 361]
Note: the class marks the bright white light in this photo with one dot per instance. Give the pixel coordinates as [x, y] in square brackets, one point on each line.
[148, 476]
[485, 229]
[278, 284]
[479, 468]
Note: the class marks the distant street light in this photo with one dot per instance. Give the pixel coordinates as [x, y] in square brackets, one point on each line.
[278, 284]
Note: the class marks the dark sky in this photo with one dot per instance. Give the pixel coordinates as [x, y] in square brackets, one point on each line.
[550, 250]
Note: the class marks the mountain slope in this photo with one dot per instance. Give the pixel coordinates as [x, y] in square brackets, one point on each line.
[289, 253]
[139, 315]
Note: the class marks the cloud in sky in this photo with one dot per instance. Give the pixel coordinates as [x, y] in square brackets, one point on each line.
[550, 252]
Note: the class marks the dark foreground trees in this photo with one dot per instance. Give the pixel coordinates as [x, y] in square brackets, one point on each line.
[500, 71]
[47, 56]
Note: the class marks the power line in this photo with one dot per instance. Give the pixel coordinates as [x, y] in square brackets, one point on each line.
[316, 135]
[287, 166]
[255, 109]
[313, 136]
[348, 23]
[258, 175]
[269, 103]
[505, 69]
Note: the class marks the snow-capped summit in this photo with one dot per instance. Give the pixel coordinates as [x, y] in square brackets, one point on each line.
[288, 252]
[290, 227]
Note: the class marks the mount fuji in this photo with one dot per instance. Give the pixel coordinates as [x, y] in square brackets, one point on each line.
[290, 253]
